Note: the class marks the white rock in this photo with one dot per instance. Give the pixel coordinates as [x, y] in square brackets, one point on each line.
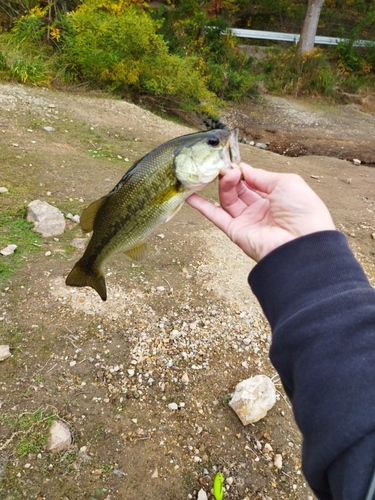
[82, 455]
[252, 398]
[48, 220]
[4, 352]
[185, 378]
[155, 474]
[79, 243]
[356, 161]
[267, 448]
[278, 461]
[60, 437]
[8, 250]
[49, 129]
[202, 495]
[173, 406]
[3, 190]
[74, 218]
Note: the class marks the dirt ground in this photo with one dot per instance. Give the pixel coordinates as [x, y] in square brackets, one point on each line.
[182, 327]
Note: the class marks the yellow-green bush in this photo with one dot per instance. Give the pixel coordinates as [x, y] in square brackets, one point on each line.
[122, 51]
[289, 73]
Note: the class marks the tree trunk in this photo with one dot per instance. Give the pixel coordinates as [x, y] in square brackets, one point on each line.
[310, 25]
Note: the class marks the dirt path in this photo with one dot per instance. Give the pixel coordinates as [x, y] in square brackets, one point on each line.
[295, 127]
[181, 328]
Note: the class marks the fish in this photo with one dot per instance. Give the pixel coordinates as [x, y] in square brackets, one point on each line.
[150, 193]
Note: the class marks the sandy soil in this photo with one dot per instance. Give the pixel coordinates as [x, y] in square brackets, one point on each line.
[182, 327]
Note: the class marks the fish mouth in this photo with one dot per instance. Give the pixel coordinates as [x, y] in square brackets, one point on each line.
[232, 156]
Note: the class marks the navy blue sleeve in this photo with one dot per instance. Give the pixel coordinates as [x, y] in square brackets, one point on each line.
[321, 309]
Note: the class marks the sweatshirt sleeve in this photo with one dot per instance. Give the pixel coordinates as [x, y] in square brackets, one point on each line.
[321, 309]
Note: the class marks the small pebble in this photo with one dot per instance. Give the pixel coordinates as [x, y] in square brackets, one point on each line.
[278, 461]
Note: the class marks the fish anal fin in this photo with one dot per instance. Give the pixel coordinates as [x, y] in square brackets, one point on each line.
[138, 252]
[89, 214]
[79, 276]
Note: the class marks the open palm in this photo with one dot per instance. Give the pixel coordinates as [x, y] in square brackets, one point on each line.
[262, 210]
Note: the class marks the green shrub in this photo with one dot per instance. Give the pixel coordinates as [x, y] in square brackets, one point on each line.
[30, 71]
[122, 52]
[189, 30]
[30, 28]
[287, 72]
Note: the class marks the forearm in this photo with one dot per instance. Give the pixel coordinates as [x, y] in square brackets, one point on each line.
[322, 312]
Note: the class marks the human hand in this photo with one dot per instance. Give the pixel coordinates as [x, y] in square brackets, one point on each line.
[263, 210]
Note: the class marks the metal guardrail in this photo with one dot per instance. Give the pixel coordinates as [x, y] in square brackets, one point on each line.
[289, 37]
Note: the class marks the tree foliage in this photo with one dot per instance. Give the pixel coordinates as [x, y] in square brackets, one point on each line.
[181, 51]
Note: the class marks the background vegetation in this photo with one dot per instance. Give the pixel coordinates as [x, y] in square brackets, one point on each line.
[180, 54]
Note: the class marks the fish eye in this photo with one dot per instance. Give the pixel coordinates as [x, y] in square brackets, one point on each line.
[213, 141]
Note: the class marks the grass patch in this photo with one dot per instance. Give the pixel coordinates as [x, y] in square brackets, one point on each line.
[15, 229]
[29, 432]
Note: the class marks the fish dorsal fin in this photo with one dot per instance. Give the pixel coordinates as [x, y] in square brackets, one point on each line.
[138, 252]
[89, 214]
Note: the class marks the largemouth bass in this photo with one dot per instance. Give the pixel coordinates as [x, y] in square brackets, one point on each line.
[150, 193]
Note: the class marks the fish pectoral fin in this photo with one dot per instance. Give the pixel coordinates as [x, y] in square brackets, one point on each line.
[138, 252]
[174, 211]
[89, 214]
[167, 194]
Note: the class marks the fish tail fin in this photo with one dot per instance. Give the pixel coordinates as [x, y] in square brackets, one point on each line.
[81, 276]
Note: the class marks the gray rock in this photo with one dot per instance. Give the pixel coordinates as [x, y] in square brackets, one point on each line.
[261, 145]
[4, 352]
[60, 437]
[252, 398]
[48, 220]
[8, 250]
[48, 129]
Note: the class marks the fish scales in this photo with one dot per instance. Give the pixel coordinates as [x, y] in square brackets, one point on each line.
[149, 193]
[136, 197]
